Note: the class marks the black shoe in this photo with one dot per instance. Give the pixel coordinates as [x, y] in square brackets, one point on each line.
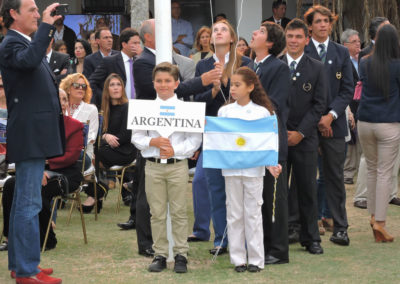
[129, 225]
[147, 252]
[269, 259]
[293, 236]
[348, 181]
[195, 239]
[4, 246]
[314, 248]
[127, 200]
[87, 209]
[253, 268]
[340, 238]
[395, 201]
[180, 264]
[360, 204]
[241, 268]
[159, 264]
[220, 251]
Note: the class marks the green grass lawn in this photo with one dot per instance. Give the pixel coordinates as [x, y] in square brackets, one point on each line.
[111, 255]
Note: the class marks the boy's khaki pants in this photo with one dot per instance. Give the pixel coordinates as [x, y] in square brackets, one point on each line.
[167, 183]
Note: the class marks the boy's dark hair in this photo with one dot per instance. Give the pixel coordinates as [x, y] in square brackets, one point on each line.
[276, 4]
[276, 35]
[98, 32]
[5, 11]
[309, 15]
[295, 24]
[168, 68]
[126, 35]
[375, 23]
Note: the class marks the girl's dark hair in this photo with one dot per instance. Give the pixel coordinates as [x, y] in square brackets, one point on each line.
[386, 48]
[258, 95]
[86, 46]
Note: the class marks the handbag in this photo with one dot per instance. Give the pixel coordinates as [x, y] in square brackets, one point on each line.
[60, 181]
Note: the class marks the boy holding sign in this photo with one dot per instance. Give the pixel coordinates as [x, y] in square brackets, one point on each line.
[166, 174]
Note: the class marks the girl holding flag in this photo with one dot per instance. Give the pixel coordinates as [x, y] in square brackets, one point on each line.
[244, 186]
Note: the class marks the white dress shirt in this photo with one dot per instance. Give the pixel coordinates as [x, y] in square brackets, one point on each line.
[48, 56]
[24, 35]
[183, 143]
[127, 64]
[251, 111]
[290, 59]
[59, 35]
[182, 27]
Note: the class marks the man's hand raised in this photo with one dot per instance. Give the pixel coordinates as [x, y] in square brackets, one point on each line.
[47, 18]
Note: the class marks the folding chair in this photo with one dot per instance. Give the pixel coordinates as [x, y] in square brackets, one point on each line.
[75, 196]
[120, 170]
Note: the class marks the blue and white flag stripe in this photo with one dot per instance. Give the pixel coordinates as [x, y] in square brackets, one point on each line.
[231, 143]
[219, 124]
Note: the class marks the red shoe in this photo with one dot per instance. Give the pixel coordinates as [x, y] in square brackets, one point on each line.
[47, 271]
[39, 278]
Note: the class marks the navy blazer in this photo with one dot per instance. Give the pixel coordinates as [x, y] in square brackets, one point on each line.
[307, 101]
[284, 21]
[274, 77]
[374, 107]
[92, 61]
[143, 70]
[213, 104]
[108, 65]
[340, 81]
[35, 126]
[58, 62]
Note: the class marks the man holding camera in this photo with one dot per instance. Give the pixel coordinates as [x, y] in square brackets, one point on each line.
[34, 116]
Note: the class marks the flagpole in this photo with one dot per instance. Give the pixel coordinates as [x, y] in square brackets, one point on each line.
[163, 30]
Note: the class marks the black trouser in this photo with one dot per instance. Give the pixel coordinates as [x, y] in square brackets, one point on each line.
[333, 157]
[276, 234]
[304, 170]
[293, 204]
[143, 227]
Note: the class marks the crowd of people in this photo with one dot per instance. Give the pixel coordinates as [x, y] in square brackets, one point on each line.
[338, 111]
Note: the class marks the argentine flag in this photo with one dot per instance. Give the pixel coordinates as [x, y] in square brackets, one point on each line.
[233, 143]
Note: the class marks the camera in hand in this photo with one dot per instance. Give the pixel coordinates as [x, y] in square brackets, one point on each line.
[62, 9]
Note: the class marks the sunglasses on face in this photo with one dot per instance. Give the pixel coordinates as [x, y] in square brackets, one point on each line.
[77, 86]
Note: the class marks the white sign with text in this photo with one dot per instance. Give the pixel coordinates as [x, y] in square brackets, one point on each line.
[166, 117]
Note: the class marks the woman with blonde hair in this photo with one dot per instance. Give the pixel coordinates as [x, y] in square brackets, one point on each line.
[227, 60]
[202, 45]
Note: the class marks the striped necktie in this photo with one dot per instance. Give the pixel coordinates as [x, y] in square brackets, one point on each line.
[256, 67]
[132, 79]
[322, 52]
[292, 68]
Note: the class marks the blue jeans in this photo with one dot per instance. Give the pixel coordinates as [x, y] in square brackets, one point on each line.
[201, 203]
[323, 208]
[216, 189]
[24, 236]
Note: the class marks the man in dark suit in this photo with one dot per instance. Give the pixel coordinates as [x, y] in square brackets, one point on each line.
[333, 124]
[307, 101]
[143, 69]
[373, 29]
[35, 128]
[65, 34]
[267, 43]
[120, 63]
[278, 14]
[58, 62]
[104, 39]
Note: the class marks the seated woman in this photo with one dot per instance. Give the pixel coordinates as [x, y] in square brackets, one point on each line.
[79, 94]
[115, 146]
[66, 165]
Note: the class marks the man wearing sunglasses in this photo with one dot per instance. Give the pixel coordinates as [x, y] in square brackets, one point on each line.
[34, 116]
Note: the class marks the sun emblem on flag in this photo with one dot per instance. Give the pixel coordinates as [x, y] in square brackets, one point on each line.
[240, 141]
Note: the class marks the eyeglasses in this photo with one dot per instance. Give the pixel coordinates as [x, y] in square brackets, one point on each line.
[77, 86]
